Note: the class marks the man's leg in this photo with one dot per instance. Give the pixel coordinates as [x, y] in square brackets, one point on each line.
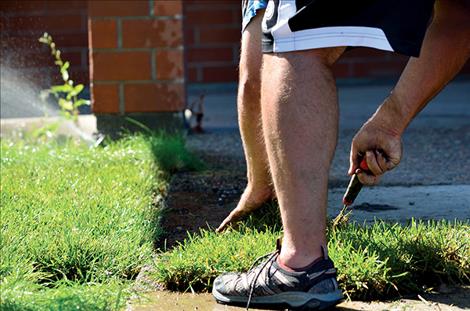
[300, 122]
[259, 188]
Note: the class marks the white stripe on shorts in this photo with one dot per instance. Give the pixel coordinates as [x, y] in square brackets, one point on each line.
[285, 40]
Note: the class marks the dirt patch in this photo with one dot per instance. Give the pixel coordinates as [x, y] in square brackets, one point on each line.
[201, 199]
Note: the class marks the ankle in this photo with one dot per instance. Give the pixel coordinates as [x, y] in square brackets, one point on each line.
[262, 189]
[300, 269]
[300, 260]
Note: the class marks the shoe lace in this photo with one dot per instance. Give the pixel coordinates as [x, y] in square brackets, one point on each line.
[270, 256]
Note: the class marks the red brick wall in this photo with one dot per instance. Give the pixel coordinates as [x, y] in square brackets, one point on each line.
[23, 22]
[370, 63]
[212, 36]
[136, 56]
[212, 40]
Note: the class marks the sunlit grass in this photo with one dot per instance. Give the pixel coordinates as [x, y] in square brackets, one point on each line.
[78, 223]
[377, 261]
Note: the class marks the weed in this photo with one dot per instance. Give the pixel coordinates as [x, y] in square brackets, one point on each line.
[67, 94]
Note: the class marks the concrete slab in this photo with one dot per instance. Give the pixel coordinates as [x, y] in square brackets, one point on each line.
[450, 109]
[436, 145]
[400, 204]
[85, 127]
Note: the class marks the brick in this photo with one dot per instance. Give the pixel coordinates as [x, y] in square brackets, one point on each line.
[18, 43]
[30, 6]
[365, 54]
[80, 75]
[66, 5]
[72, 40]
[220, 74]
[77, 74]
[390, 69]
[52, 25]
[151, 33]
[118, 8]
[75, 58]
[168, 7]
[215, 54]
[121, 66]
[105, 98]
[103, 34]
[45, 59]
[219, 35]
[204, 5]
[209, 17]
[193, 75]
[189, 36]
[341, 70]
[169, 64]
[154, 97]
[3, 25]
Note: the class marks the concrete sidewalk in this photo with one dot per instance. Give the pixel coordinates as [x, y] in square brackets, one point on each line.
[432, 182]
[449, 109]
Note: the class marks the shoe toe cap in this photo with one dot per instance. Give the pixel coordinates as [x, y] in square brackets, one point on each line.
[223, 283]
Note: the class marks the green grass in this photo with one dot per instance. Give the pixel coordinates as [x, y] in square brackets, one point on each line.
[377, 261]
[78, 223]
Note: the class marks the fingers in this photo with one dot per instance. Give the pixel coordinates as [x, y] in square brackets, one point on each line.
[395, 150]
[373, 163]
[382, 161]
[367, 179]
[353, 159]
[234, 216]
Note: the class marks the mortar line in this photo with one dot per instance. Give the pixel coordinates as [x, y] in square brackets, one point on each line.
[152, 7]
[122, 107]
[153, 63]
[119, 32]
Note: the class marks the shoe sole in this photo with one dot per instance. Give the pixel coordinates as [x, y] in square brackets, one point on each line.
[291, 300]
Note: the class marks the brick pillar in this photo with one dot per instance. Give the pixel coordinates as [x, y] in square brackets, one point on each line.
[136, 63]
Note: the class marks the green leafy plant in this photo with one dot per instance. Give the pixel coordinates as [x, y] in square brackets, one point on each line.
[67, 94]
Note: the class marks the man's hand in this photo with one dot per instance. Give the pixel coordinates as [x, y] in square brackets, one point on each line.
[381, 146]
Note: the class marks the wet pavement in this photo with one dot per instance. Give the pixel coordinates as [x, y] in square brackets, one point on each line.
[450, 300]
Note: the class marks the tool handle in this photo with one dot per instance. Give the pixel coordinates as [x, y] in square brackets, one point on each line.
[354, 186]
[363, 165]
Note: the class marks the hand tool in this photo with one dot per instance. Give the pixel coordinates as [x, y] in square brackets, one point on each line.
[350, 195]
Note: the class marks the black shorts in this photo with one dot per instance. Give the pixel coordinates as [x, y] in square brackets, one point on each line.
[391, 25]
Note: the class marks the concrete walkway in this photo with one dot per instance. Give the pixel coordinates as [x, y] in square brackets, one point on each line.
[450, 109]
[433, 180]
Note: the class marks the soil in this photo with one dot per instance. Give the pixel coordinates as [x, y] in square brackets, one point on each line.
[202, 199]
